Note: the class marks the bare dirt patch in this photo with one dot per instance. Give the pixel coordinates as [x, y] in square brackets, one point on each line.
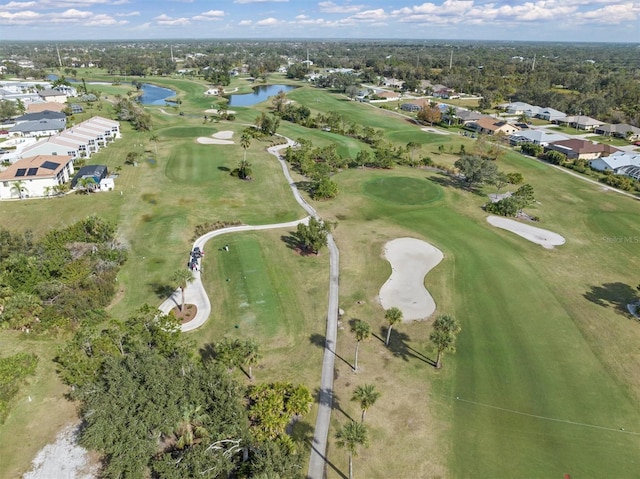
[190, 311]
[63, 459]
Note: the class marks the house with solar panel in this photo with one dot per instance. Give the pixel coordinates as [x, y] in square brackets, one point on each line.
[36, 176]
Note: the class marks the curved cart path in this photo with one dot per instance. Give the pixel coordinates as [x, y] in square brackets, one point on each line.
[196, 294]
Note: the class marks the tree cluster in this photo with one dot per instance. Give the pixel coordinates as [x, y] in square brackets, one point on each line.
[63, 278]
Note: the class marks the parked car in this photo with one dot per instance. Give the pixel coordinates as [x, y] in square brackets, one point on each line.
[197, 252]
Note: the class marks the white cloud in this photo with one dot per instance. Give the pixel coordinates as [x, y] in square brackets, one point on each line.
[369, 16]
[330, 7]
[210, 15]
[19, 18]
[268, 22]
[78, 3]
[241, 2]
[245, 23]
[165, 19]
[18, 5]
[130, 14]
[612, 14]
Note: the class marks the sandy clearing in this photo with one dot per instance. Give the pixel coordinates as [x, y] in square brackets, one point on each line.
[213, 141]
[411, 259]
[547, 239]
[437, 132]
[215, 111]
[223, 135]
[63, 459]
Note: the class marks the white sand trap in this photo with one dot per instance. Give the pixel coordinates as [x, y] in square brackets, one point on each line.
[213, 141]
[433, 130]
[216, 111]
[545, 238]
[223, 135]
[411, 259]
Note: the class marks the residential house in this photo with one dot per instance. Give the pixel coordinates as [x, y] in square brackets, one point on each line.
[97, 172]
[521, 108]
[55, 96]
[41, 115]
[35, 176]
[620, 130]
[579, 149]
[537, 137]
[410, 107]
[464, 116]
[491, 126]
[45, 105]
[393, 83]
[621, 163]
[579, 122]
[549, 114]
[76, 108]
[38, 128]
[387, 95]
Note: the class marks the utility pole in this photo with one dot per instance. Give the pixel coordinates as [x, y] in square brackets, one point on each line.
[59, 59]
[451, 60]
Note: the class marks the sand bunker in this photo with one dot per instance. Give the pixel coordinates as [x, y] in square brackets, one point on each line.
[545, 238]
[411, 259]
[220, 138]
[216, 111]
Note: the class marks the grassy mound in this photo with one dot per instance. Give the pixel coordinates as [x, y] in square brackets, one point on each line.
[402, 190]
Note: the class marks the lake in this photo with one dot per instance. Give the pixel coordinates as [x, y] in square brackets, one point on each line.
[260, 94]
[155, 95]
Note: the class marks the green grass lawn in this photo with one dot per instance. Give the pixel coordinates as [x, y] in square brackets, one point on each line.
[546, 352]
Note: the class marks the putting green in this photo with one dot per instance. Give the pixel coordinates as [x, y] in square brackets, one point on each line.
[402, 190]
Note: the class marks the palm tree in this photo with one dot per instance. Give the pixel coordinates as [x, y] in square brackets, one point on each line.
[48, 190]
[19, 187]
[393, 316]
[154, 138]
[183, 277]
[190, 430]
[349, 437]
[86, 184]
[366, 395]
[251, 355]
[245, 142]
[362, 330]
[451, 113]
[443, 336]
[244, 170]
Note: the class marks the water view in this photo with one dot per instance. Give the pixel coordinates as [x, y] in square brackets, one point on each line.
[260, 94]
[155, 95]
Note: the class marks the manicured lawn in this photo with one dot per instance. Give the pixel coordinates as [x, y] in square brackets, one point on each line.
[545, 351]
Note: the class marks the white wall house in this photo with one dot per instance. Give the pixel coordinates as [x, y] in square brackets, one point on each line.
[55, 96]
[34, 129]
[35, 176]
[621, 163]
[537, 137]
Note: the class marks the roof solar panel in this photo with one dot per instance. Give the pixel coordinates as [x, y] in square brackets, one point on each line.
[21, 171]
[32, 172]
[50, 165]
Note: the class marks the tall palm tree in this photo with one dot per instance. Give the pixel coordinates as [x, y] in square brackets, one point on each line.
[451, 113]
[362, 330]
[190, 429]
[245, 142]
[393, 316]
[366, 395]
[251, 355]
[443, 336]
[87, 184]
[154, 138]
[19, 187]
[182, 277]
[350, 437]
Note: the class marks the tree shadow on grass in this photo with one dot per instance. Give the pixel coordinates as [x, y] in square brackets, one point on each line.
[223, 168]
[207, 352]
[306, 186]
[326, 398]
[327, 461]
[161, 290]
[399, 346]
[616, 295]
[446, 180]
[320, 341]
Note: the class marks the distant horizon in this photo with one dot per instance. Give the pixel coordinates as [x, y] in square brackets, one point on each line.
[573, 21]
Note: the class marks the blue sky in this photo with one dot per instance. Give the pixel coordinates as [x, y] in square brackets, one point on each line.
[541, 20]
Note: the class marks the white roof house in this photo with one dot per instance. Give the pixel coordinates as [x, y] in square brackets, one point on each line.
[35, 176]
[538, 137]
[621, 163]
[37, 128]
[581, 122]
[55, 96]
[521, 108]
[550, 114]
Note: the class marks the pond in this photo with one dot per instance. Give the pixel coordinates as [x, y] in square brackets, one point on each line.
[260, 94]
[155, 95]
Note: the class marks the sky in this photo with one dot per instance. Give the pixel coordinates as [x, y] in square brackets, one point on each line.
[542, 20]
